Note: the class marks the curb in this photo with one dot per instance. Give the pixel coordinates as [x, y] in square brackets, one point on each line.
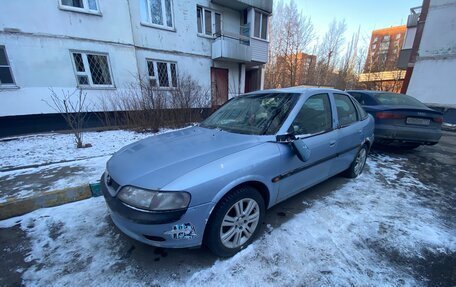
[22, 206]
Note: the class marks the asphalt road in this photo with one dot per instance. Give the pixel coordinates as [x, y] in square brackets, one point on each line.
[433, 165]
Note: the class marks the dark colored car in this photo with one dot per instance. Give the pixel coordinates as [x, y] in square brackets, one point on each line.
[400, 119]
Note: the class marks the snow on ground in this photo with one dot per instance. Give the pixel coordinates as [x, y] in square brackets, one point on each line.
[345, 238]
[54, 148]
[46, 162]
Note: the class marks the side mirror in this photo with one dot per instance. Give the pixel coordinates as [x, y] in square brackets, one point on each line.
[301, 150]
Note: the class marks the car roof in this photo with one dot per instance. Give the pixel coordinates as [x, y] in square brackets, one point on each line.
[296, 90]
[370, 92]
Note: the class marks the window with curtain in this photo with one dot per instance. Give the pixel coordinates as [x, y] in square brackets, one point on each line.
[84, 5]
[157, 13]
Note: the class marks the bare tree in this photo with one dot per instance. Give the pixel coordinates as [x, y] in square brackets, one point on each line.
[145, 107]
[72, 106]
[348, 76]
[291, 33]
[329, 53]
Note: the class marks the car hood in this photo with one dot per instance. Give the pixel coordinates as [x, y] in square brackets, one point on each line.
[155, 161]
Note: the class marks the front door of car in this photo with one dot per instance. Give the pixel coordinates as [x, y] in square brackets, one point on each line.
[314, 125]
[349, 133]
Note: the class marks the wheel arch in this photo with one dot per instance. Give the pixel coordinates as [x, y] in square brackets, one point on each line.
[260, 186]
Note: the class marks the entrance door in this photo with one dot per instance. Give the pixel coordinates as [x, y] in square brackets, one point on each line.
[252, 79]
[219, 85]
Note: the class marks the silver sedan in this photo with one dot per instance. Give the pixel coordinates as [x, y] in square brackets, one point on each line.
[210, 184]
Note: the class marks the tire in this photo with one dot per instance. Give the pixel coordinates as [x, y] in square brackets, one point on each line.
[238, 232]
[357, 166]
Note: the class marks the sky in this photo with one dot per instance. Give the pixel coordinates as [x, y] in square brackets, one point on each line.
[369, 15]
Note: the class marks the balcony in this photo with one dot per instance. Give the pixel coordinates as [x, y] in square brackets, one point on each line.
[265, 5]
[241, 49]
[414, 17]
[232, 48]
[404, 58]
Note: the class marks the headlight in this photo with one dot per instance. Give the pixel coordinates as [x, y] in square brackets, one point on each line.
[154, 200]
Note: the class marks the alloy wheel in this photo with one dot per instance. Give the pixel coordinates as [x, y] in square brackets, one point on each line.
[360, 161]
[239, 223]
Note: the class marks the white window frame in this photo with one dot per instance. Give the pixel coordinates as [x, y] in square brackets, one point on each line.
[165, 19]
[156, 75]
[85, 9]
[262, 14]
[87, 71]
[203, 21]
[8, 65]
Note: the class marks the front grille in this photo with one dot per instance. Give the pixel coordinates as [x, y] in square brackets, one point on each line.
[113, 186]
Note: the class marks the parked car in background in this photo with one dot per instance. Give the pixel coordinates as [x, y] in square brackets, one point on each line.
[211, 184]
[400, 119]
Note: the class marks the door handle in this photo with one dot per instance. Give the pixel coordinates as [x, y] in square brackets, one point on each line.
[332, 143]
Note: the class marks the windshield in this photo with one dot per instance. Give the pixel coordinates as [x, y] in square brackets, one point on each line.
[258, 114]
[398, 100]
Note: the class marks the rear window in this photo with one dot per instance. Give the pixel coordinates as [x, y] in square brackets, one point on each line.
[363, 99]
[398, 100]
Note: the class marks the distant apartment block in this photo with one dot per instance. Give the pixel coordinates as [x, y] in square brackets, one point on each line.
[297, 69]
[102, 46]
[429, 54]
[380, 70]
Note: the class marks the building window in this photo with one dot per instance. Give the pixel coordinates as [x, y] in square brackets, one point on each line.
[92, 69]
[386, 38]
[398, 36]
[384, 46]
[158, 13]
[209, 22]
[162, 74]
[260, 25]
[83, 5]
[375, 40]
[6, 75]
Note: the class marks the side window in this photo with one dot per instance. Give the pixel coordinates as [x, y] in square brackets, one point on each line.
[346, 111]
[357, 97]
[314, 116]
[361, 112]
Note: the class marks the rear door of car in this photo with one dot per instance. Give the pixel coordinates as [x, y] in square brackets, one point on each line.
[350, 132]
[314, 124]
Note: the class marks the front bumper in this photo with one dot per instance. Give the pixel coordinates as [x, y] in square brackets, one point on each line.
[176, 229]
[407, 134]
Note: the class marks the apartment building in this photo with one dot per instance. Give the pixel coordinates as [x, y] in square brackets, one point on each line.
[103, 46]
[380, 71]
[429, 55]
